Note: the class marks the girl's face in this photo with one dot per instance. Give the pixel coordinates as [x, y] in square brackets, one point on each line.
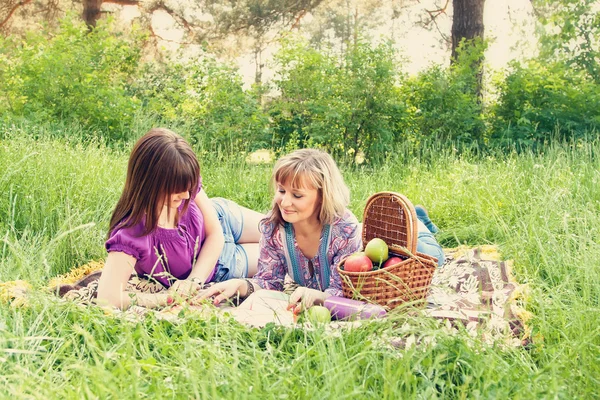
[175, 200]
[298, 204]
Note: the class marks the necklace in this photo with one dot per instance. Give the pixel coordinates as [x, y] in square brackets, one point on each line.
[323, 276]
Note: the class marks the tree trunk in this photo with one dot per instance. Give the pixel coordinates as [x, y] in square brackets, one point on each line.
[91, 12]
[467, 22]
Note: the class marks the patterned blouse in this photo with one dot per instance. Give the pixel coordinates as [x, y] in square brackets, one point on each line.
[280, 254]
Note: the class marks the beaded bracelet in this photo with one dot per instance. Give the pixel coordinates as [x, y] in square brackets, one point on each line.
[250, 288]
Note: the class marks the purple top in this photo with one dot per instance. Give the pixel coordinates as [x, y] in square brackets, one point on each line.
[344, 239]
[165, 254]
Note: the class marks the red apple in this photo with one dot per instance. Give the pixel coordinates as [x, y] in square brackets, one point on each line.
[391, 261]
[358, 262]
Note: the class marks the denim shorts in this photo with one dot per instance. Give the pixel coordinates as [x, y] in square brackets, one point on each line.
[233, 261]
[427, 244]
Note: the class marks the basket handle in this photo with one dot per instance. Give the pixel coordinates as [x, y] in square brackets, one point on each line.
[410, 216]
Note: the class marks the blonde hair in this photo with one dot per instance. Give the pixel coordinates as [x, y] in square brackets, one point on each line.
[312, 168]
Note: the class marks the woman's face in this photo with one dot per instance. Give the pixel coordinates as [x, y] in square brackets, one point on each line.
[298, 205]
[175, 200]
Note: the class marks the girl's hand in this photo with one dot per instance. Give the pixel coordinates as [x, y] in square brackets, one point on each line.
[185, 288]
[304, 298]
[224, 290]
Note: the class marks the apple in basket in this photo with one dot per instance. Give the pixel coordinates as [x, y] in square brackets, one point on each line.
[391, 261]
[377, 250]
[358, 262]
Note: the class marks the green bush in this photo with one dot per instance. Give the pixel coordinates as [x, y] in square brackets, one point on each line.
[346, 104]
[570, 32]
[445, 101]
[355, 104]
[71, 75]
[538, 101]
[207, 99]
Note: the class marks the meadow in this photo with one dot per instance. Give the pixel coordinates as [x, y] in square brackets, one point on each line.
[542, 209]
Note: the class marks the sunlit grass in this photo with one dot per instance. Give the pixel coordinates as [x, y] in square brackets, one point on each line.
[542, 210]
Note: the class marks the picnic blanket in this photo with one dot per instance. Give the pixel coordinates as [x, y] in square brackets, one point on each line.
[474, 289]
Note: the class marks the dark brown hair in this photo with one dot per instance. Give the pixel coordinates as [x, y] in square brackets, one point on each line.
[161, 163]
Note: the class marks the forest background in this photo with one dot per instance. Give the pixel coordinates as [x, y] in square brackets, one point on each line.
[324, 72]
[407, 95]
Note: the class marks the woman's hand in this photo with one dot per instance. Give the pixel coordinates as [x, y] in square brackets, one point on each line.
[304, 298]
[185, 288]
[225, 290]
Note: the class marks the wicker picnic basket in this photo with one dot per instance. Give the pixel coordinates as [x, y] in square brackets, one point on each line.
[391, 216]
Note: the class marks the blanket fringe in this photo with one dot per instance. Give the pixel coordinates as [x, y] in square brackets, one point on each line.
[76, 274]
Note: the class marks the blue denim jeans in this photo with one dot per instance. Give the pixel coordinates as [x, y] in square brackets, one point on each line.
[233, 262]
[427, 244]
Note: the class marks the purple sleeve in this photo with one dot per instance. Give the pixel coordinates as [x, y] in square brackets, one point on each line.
[271, 262]
[347, 240]
[198, 189]
[126, 241]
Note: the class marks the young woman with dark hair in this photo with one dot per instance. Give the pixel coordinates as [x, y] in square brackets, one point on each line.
[165, 228]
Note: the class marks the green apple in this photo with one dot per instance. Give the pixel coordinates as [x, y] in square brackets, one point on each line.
[318, 315]
[377, 250]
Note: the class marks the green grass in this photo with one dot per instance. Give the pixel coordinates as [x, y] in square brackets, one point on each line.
[542, 210]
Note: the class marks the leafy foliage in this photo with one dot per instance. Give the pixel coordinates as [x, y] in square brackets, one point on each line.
[208, 99]
[445, 100]
[351, 100]
[256, 16]
[539, 100]
[572, 34]
[347, 104]
[73, 75]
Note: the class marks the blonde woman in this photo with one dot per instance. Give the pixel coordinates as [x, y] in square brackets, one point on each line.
[307, 232]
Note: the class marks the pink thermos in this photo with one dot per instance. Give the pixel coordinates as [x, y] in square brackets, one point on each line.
[344, 309]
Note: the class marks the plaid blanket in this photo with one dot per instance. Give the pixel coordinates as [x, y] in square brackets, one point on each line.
[474, 289]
